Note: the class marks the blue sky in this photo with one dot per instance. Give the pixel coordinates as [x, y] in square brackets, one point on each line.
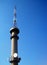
[32, 23]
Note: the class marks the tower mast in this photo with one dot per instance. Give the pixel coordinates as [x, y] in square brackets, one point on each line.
[14, 31]
[14, 19]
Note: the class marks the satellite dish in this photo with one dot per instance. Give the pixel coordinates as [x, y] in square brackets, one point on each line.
[15, 55]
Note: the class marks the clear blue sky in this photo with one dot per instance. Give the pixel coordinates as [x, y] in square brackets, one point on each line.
[32, 23]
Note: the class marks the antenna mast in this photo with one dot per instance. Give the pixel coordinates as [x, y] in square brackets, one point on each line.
[14, 19]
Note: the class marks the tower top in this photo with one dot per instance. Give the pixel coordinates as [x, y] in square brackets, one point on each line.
[14, 19]
[14, 28]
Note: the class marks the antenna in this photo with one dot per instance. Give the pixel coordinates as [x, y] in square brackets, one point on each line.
[14, 19]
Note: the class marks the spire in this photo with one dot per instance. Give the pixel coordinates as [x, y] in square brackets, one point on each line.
[14, 19]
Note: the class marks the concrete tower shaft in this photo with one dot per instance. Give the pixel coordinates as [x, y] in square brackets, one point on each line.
[14, 40]
[14, 45]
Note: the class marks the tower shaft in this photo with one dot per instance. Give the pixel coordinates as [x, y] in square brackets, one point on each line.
[14, 46]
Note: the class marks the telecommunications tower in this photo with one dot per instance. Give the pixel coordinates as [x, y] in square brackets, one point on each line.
[14, 31]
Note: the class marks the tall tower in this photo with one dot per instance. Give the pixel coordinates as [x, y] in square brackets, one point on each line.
[14, 59]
